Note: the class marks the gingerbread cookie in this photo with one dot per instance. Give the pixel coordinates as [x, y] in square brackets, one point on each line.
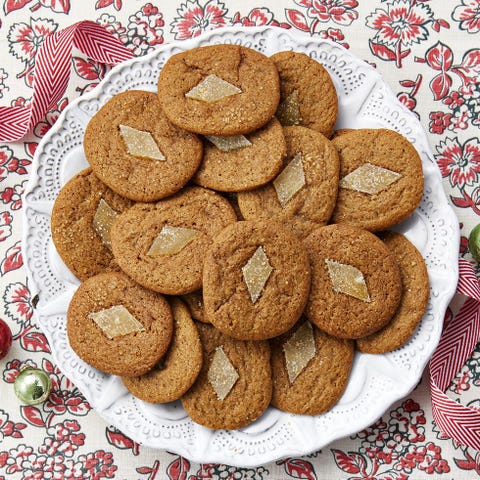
[180, 367]
[381, 178]
[80, 224]
[414, 298]
[194, 303]
[162, 245]
[243, 162]
[136, 151]
[219, 90]
[308, 96]
[303, 381]
[303, 195]
[356, 283]
[235, 384]
[256, 280]
[118, 326]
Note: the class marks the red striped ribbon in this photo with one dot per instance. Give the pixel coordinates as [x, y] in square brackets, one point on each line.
[52, 72]
[456, 345]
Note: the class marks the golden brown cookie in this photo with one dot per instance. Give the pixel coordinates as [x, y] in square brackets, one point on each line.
[312, 161]
[137, 176]
[256, 280]
[310, 369]
[179, 369]
[389, 185]
[414, 298]
[95, 310]
[74, 231]
[235, 384]
[356, 283]
[246, 167]
[162, 245]
[308, 95]
[194, 303]
[252, 103]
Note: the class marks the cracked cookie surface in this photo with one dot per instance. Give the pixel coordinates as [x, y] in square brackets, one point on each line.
[140, 179]
[250, 71]
[228, 303]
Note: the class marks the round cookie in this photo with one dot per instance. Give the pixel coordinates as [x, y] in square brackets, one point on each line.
[197, 209]
[312, 205]
[248, 70]
[321, 383]
[278, 269]
[247, 167]
[386, 149]
[135, 177]
[131, 354]
[194, 303]
[360, 312]
[414, 298]
[317, 102]
[180, 367]
[73, 231]
[251, 393]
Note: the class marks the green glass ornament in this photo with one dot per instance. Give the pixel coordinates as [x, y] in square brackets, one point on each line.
[474, 243]
[32, 386]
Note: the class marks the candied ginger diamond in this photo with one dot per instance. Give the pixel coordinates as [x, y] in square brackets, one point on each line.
[288, 112]
[369, 179]
[103, 220]
[290, 180]
[222, 374]
[140, 143]
[256, 272]
[299, 349]
[116, 321]
[226, 144]
[172, 240]
[348, 279]
[212, 89]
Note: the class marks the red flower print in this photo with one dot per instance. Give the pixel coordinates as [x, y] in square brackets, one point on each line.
[13, 196]
[17, 303]
[9, 163]
[468, 14]
[460, 163]
[5, 225]
[256, 18]
[145, 29]
[51, 117]
[110, 23]
[335, 35]
[193, 18]
[439, 122]
[402, 22]
[339, 11]
[25, 40]
[9, 428]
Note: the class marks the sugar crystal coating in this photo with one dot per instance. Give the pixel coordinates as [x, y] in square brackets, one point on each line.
[212, 89]
[222, 374]
[369, 179]
[140, 143]
[226, 144]
[290, 180]
[116, 321]
[256, 273]
[348, 279]
[299, 349]
[103, 220]
[172, 240]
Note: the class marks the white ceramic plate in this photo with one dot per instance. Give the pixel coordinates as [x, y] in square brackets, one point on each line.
[376, 381]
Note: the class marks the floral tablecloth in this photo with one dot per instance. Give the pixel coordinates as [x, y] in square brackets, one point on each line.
[428, 51]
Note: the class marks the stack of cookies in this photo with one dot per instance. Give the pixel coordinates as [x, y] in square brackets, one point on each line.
[232, 247]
